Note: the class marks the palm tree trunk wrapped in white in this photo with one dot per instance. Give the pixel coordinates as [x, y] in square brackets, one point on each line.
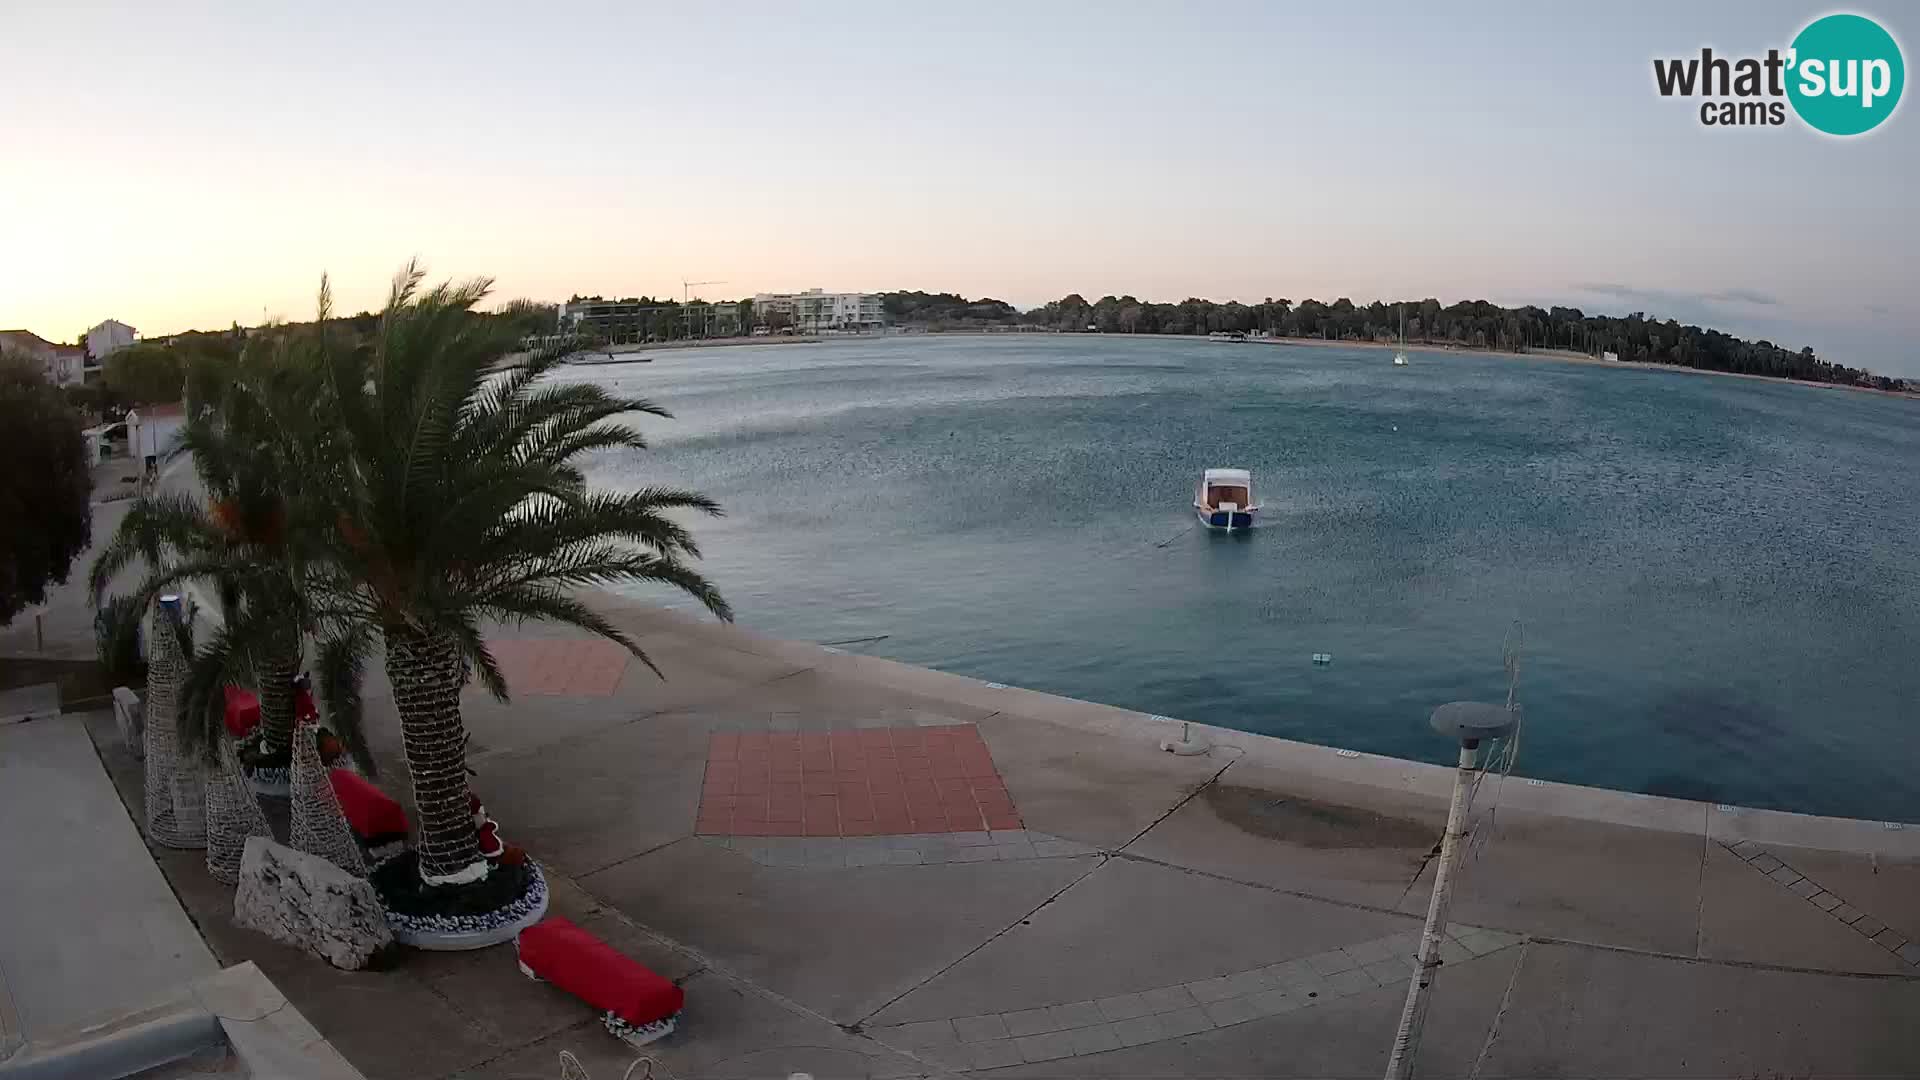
[319, 826]
[233, 815]
[175, 796]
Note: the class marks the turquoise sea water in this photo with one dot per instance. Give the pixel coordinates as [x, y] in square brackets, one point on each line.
[1719, 578]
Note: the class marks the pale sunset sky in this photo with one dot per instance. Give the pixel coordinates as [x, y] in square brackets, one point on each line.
[181, 166]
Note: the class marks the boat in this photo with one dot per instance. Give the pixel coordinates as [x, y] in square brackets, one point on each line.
[1400, 350]
[1227, 335]
[1225, 500]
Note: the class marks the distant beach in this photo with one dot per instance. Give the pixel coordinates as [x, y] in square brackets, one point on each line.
[624, 354]
[1566, 357]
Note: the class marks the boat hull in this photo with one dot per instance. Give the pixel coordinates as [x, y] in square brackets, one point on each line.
[1225, 519]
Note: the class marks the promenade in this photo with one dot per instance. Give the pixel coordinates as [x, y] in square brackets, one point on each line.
[861, 868]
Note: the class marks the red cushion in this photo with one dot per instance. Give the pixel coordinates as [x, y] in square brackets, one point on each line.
[243, 711]
[591, 970]
[369, 810]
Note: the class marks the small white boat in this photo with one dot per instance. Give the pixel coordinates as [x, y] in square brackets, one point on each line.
[1225, 500]
[1227, 336]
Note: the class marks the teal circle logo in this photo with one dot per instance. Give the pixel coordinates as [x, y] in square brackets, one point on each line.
[1845, 74]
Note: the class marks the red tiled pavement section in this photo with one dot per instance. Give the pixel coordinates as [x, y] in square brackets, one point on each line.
[572, 667]
[859, 782]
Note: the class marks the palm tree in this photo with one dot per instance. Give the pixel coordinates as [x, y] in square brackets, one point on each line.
[457, 499]
[247, 538]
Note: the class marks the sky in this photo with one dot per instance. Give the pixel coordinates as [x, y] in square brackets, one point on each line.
[189, 165]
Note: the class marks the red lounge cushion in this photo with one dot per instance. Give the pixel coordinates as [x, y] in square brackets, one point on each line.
[243, 711]
[591, 970]
[369, 810]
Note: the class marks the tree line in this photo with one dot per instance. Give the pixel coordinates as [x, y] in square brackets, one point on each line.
[1474, 324]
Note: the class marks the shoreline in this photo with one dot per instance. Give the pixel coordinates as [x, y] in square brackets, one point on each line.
[1563, 356]
[1390, 776]
[1567, 357]
[612, 354]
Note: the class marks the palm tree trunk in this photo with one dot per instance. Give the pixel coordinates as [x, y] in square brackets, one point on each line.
[277, 672]
[426, 673]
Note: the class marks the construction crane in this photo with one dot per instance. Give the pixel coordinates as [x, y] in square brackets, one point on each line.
[686, 300]
[687, 287]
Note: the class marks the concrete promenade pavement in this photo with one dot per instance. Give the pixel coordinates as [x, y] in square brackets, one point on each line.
[786, 831]
[87, 925]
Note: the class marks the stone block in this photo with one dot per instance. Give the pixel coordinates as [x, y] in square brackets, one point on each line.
[306, 901]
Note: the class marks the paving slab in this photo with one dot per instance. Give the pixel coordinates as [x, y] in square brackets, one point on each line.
[1600, 1012]
[1580, 880]
[88, 926]
[731, 1031]
[841, 942]
[1296, 831]
[820, 699]
[780, 945]
[1133, 926]
[1886, 888]
[1104, 792]
[24, 704]
[587, 802]
[1746, 915]
[389, 1026]
[1731, 824]
[1345, 1037]
[693, 675]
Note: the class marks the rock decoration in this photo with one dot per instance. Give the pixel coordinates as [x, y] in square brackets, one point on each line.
[308, 902]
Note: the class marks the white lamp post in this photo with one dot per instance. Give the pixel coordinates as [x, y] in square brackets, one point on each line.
[1469, 722]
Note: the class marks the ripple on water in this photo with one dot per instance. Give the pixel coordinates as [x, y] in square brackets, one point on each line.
[1719, 578]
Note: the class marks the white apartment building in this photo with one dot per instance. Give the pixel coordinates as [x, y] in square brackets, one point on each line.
[107, 338]
[815, 310]
[63, 365]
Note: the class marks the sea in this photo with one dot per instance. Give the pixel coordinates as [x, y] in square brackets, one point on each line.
[1710, 585]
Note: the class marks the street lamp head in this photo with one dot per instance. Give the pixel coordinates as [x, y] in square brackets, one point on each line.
[1468, 722]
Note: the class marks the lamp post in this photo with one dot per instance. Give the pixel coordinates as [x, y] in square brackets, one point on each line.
[1469, 723]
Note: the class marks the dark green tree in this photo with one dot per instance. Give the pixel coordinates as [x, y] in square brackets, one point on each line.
[255, 444]
[46, 516]
[145, 372]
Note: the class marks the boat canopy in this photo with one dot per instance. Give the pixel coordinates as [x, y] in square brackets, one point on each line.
[1228, 477]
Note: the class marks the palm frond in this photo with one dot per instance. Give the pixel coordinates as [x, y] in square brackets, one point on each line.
[228, 658]
[452, 482]
[156, 527]
[553, 605]
[342, 664]
[548, 531]
[475, 654]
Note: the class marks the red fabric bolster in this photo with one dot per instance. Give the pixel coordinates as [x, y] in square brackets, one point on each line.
[591, 970]
[242, 711]
[369, 810]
